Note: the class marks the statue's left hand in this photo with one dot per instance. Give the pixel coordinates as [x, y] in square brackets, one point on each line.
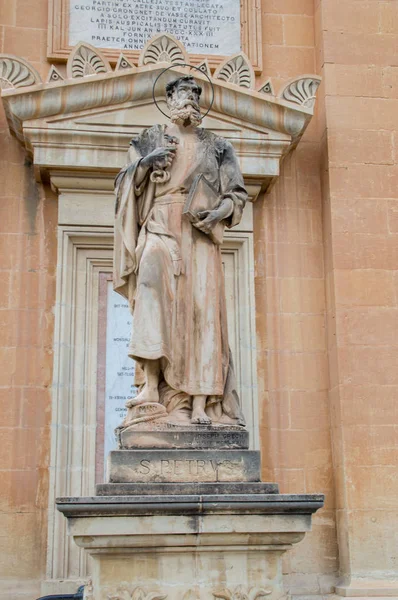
[210, 218]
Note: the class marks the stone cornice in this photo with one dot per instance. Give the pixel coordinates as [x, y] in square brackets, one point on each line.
[48, 117]
[111, 89]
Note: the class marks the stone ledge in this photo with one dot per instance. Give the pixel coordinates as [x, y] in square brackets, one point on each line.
[185, 489]
[369, 589]
[258, 504]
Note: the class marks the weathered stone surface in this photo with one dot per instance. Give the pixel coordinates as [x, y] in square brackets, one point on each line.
[135, 466]
[193, 437]
[202, 489]
[199, 186]
[195, 547]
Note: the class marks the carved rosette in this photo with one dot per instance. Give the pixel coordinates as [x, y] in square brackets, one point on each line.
[242, 593]
[163, 48]
[54, 75]
[123, 63]
[86, 60]
[267, 88]
[125, 592]
[301, 90]
[236, 70]
[16, 72]
[204, 67]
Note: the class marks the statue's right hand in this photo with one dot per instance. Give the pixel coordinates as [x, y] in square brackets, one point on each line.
[161, 158]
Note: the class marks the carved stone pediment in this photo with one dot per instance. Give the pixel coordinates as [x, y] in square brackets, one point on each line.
[86, 122]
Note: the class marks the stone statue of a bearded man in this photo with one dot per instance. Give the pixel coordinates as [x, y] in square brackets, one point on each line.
[170, 270]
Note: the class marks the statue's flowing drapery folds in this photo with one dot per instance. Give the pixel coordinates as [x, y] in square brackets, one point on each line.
[172, 274]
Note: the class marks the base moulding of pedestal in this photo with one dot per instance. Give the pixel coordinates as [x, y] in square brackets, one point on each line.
[185, 489]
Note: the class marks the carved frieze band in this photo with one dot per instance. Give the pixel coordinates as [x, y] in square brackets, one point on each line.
[87, 61]
[125, 592]
[242, 593]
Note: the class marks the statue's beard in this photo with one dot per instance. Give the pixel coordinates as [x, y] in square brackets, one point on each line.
[186, 112]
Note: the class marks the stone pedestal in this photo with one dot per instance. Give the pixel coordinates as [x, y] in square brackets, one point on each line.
[188, 547]
[187, 524]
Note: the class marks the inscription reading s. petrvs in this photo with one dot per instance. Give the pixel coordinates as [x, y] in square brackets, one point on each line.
[203, 26]
[194, 467]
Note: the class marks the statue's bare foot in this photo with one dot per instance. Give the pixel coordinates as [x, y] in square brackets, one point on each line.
[199, 417]
[146, 395]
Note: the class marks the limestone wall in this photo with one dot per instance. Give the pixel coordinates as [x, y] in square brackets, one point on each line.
[360, 177]
[326, 299]
[290, 305]
[28, 217]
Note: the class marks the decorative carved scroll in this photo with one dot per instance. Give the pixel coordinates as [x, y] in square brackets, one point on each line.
[163, 48]
[236, 70]
[241, 593]
[86, 60]
[88, 591]
[124, 592]
[54, 75]
[123, 63]
[267, 88]
[16, 72]
[301, 90]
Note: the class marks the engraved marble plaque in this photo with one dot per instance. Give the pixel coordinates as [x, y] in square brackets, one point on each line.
[203, 26]
[119, 367]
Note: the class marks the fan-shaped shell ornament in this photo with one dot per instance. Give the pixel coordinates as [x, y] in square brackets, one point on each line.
[16, 72]
[85, 60]
[301, 90]
[163, 48]
[236, 70]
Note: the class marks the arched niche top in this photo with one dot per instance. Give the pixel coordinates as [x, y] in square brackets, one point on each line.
[85, 123]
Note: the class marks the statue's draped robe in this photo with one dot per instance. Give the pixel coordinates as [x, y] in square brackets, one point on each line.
[171, 273]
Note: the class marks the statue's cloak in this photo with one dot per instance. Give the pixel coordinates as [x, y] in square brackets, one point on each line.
[171, 273]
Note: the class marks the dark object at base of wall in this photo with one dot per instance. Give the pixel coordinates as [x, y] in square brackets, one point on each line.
[77, 596]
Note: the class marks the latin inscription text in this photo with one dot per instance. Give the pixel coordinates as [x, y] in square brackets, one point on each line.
[203, 26]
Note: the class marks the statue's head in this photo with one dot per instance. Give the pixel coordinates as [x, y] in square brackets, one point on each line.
[183, 100]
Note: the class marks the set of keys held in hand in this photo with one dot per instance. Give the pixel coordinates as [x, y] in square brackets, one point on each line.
[160, 174]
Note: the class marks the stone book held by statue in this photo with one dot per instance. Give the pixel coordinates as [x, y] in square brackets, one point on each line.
[201, 200]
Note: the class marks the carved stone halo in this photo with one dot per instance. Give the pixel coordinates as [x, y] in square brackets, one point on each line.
[190, 67]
